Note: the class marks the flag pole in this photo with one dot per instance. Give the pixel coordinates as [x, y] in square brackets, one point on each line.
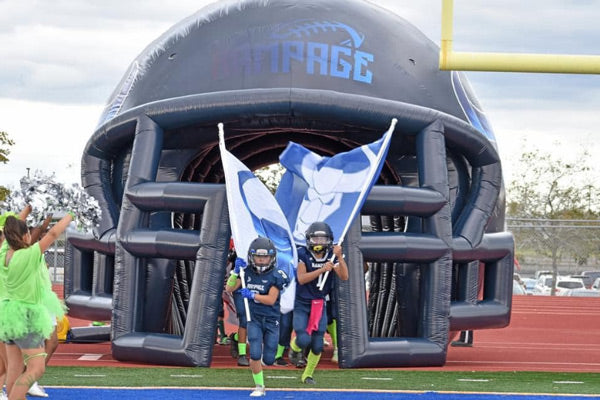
[358, 205]
[232, 221]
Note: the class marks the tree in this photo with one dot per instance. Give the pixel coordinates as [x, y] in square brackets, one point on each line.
[270, 176]
[5, 143]
[557, 201]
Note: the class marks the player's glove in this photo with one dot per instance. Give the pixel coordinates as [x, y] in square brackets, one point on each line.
[247, 293]
[240, 264]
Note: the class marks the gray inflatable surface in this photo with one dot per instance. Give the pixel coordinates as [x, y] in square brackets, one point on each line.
[330, 76]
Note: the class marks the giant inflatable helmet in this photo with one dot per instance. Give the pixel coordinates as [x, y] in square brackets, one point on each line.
[329, 75]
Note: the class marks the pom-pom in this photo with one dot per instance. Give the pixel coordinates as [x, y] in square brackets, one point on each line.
[47, 196]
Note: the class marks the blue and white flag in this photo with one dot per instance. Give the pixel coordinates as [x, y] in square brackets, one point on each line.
[328, 189]
[253, 212]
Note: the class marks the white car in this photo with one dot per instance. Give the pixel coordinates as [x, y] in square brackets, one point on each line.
[591, 276]
[529, 285]
[538, 274]
[573, 287]
[543, 286]
[518, 289]
[565, 286]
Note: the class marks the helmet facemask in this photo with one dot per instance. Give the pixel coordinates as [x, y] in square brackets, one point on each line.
[319, 243]
[262, 262]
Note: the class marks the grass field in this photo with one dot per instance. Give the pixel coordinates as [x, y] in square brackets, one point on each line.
[380, 379]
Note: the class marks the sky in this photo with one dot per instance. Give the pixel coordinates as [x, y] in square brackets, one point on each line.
[60, 61]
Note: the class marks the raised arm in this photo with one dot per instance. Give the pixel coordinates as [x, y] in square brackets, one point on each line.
[25, 212]
[340, 268]
[38, 231]
[55, 232]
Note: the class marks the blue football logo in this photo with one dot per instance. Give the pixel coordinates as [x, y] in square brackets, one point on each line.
[302, 28]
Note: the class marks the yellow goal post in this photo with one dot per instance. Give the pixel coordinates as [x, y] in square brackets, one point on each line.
[508, 62]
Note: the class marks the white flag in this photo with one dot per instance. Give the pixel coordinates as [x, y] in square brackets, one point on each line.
[253, 212]
[329, 189]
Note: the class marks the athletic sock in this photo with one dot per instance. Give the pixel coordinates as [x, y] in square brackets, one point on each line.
[311, 363]
[259, 379]
[242, 349]
[332, 329]
[280, 350]
[294, 346]
[235, 337]
[221, 326]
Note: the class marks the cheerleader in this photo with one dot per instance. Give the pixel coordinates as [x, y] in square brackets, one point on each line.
[28, 303]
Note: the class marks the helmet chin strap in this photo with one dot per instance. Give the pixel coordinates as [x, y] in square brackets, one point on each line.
[321, 258]
[263, 268]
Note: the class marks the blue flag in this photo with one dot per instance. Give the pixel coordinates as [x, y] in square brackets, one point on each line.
[253, 212]
[328, 189]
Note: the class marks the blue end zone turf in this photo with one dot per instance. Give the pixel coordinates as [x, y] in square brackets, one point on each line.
[214, 394]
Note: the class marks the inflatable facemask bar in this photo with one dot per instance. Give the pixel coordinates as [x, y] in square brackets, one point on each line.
[330, 76]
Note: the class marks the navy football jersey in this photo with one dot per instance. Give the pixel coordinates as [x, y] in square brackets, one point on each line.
[310, 290]
[261, 284]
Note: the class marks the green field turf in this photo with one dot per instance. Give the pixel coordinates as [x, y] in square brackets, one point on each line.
[487, 382]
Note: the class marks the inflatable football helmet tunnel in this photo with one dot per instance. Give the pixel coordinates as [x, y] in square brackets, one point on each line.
[329, 75]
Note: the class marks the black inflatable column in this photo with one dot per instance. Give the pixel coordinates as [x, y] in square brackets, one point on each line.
[432, 249]
[436, 278]
[130, 270]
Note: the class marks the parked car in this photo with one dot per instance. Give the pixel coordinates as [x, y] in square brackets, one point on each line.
[543, 285]
[587, 280]
[573, 287]
[518, 289]
[565, 286]
[592, 276]
[581, 293]
[529, 284]
[542, 272]
[517, 278]
[596, 284]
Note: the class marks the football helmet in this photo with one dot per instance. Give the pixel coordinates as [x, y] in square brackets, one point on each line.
[262, 255]
[329, 75]
[319, 238]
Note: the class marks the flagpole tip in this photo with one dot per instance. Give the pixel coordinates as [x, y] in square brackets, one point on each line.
[221, 131]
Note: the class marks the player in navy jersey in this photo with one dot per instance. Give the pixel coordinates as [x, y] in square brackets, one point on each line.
[263, 282]
[310, 318]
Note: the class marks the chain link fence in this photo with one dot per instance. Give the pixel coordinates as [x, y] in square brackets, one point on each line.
[573, 244]
[55, 259]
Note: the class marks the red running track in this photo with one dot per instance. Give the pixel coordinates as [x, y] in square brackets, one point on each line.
[555, 334]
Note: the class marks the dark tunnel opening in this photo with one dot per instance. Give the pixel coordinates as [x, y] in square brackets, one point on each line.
[393, 301]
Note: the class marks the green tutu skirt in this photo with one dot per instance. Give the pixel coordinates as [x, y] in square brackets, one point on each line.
[55, 307]
[19, 319]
